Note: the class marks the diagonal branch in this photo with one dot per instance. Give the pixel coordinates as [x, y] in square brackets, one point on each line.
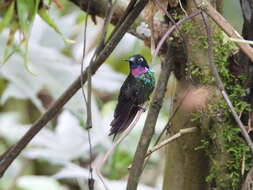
[225, 26]
[99, 7]
[16, 149]
[172, 138]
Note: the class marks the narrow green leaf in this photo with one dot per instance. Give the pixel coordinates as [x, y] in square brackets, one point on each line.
[46, 17]
[34, 9]
[9, 49]
[26, 59]
[7, 17]
[8, 52]
[23, 16]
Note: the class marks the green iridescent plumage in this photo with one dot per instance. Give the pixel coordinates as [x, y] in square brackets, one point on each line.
[134, 92]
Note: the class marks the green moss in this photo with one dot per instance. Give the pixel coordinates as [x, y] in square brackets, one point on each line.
[221, 140]
[187, 26]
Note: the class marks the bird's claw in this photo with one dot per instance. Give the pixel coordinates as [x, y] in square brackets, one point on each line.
[141, 108]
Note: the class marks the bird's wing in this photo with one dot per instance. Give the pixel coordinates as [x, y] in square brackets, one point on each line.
[126, 109]
[127, 97]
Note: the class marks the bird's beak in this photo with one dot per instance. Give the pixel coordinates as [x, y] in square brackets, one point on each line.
[131, 59]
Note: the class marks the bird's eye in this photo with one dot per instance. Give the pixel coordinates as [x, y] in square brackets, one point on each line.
[140, 59]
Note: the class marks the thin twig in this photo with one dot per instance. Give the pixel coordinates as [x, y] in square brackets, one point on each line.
[220, 84]
[98, 49]
[241, 41]
[15, 150]
[159, 5]
[152, 38]
[84, 49]
[171, 29]
[112, 148]
[182, 8]
[87, 102]
[172, 138]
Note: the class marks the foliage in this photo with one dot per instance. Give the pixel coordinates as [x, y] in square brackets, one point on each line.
[19, 17]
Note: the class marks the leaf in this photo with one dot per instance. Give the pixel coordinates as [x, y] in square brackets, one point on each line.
[7, 17]
[47, 18]
[23, 16]
[34, 9]
[26, 58]
[9, 48]
[8, 52]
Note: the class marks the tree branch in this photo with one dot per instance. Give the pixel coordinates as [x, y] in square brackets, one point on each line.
[15, 150]
[172, 138]
[99, 7]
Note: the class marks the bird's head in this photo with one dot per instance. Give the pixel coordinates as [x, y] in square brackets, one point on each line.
[136, 61]
[138, 65]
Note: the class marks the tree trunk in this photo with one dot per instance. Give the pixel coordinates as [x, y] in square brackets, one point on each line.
[187, 165]
[185, 168]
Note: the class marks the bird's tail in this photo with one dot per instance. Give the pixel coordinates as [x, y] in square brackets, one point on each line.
[120, 123]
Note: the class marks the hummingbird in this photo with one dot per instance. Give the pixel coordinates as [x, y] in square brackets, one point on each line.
[134, 92]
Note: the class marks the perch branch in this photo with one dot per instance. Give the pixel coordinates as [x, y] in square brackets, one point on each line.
[15, 150]
[112, 148]
[149, 127]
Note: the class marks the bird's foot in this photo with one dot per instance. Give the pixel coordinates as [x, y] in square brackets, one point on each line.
[141, 108]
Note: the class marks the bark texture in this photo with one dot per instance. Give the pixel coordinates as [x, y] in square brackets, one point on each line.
[185, 167]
